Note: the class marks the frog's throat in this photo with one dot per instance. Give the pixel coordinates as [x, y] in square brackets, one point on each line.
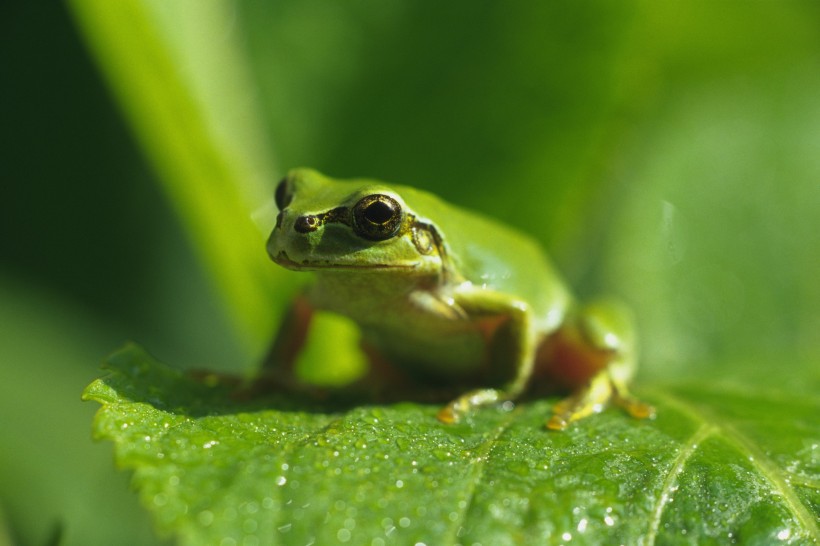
[307, 265]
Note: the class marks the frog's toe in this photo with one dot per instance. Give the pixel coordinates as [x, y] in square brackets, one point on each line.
[589, 400]
[469, 402]
[633, 406]
[572, 409]
[448, 415]
[557, 422]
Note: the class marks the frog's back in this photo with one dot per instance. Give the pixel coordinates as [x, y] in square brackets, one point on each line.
[492, 255]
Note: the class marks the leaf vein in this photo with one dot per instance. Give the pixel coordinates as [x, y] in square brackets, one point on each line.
[757, 457]
[689, 448]
[478, 469]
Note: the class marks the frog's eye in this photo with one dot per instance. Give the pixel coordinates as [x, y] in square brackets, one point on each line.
[377, 217]
[282, 196]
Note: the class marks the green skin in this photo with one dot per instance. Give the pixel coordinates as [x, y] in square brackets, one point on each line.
[448, 295]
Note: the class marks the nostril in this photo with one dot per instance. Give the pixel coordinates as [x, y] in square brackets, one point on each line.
[306, 224]
[279, 218]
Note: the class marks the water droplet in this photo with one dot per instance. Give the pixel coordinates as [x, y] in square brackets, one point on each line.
[399, 484]
[441, 454]
[281, 480]
[566, 537]
[404, 523]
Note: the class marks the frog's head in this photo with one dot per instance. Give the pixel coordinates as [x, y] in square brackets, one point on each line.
[326, 224]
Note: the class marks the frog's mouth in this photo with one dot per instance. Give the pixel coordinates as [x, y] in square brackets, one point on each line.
[307, 265]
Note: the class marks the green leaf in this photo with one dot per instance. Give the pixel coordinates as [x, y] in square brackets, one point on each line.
[717, 466]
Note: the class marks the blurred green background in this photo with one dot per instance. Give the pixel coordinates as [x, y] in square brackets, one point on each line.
[665, 152]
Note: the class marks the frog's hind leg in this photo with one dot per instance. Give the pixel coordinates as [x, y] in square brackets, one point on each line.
[593, 354]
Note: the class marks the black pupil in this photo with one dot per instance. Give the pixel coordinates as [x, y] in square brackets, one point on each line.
[378, 212]
[377, 217]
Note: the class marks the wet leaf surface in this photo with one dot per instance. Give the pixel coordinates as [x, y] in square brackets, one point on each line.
[716, 467]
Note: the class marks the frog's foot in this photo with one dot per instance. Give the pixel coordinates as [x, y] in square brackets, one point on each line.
[468, 402]
[593, 399]
[633, 406]
[585, 402]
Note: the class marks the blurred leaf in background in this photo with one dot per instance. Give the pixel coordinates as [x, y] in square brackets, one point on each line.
[668, 153]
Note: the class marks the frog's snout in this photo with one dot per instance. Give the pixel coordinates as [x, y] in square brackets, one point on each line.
[291, 236]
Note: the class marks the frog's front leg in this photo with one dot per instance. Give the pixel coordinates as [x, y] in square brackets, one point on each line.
[520, 336]
[278, 368]
[279, 365]
[593, 353]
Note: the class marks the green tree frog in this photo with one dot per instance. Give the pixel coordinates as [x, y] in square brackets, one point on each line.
[447, 296]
